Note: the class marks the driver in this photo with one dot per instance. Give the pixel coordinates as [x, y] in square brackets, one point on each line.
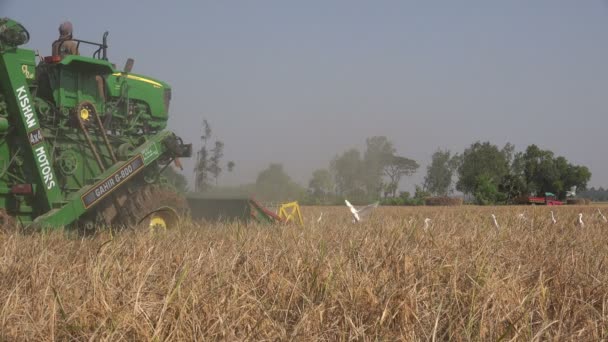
[65, 45]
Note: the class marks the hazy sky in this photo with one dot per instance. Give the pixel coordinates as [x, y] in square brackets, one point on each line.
[299, 82]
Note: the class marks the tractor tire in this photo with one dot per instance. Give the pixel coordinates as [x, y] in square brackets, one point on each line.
[154, 207]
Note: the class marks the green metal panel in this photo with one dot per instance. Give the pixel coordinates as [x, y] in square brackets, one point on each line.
[22, 113]
[77, 204]
[145, 89]
[87, 64]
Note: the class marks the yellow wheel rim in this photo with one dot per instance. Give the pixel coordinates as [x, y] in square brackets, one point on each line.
[161, 220]
[84, 114]
[157, 222]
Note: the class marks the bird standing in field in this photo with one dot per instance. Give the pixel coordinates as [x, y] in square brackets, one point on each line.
[358, 214]
[553, 218]
[320, 217]
[495, 222]
[580, 220]
[521, 216]
[427, 222]
[602, 215]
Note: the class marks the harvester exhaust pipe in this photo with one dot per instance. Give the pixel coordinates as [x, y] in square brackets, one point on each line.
[129, 65]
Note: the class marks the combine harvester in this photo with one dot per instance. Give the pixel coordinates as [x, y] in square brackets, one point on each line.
[84, 144]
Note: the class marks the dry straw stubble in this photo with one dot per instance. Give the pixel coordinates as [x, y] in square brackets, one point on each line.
[383, 279]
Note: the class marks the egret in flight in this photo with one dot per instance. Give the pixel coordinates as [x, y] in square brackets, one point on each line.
[358, 214]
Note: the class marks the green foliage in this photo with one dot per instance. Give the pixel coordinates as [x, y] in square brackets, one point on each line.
[543, 172]
[378, 154]
[440, 172]
[362, 179]
[512, 186]
[404, 198]
[274, 184]
[482, 159]
[500, 176]
[486, 191]
[396, 167]
[421, 194]
[348, 170]
[321, 186]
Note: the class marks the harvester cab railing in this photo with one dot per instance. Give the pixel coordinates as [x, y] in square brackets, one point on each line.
[102, 49]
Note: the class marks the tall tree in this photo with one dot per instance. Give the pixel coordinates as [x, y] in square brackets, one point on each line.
[482, 164]
[201, 176]
[397, 167]
[201, 168]
[321, 184]
[440, 172]
[208, 162]
[348, 173]
[543, 172]
[274, 184]
[217, 152]
[378, 154]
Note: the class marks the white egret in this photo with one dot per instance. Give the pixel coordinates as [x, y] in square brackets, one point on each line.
[427, 221]
[572, 192]
[580, 220]
[553, 218]
[358, 214]
[320, 217]
[495, 222]
[602, 215]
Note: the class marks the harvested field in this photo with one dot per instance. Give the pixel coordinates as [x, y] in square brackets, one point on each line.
[383, 279]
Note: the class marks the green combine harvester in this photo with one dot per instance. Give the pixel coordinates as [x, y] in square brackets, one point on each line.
[84, 145]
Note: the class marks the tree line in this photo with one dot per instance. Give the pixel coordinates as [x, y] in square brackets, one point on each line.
[483, 173]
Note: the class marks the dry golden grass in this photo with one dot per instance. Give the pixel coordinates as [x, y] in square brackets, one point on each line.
[383, 279]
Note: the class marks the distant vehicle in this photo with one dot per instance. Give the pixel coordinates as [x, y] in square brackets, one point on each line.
[548, 199]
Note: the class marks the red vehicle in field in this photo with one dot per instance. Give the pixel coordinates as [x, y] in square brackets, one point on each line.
[549, 199]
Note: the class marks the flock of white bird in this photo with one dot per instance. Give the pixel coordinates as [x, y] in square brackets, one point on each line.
[579, 220]
[359, 214]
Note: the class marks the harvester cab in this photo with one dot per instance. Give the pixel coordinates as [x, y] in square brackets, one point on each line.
[81, 142]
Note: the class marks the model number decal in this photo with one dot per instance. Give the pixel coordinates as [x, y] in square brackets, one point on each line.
[35, 136]
[106, 186]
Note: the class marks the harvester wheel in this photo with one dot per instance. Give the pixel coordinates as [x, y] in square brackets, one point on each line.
[156, 208]
[160, 220]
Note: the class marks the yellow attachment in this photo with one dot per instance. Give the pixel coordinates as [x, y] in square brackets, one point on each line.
[289, 212]
[84, 114]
